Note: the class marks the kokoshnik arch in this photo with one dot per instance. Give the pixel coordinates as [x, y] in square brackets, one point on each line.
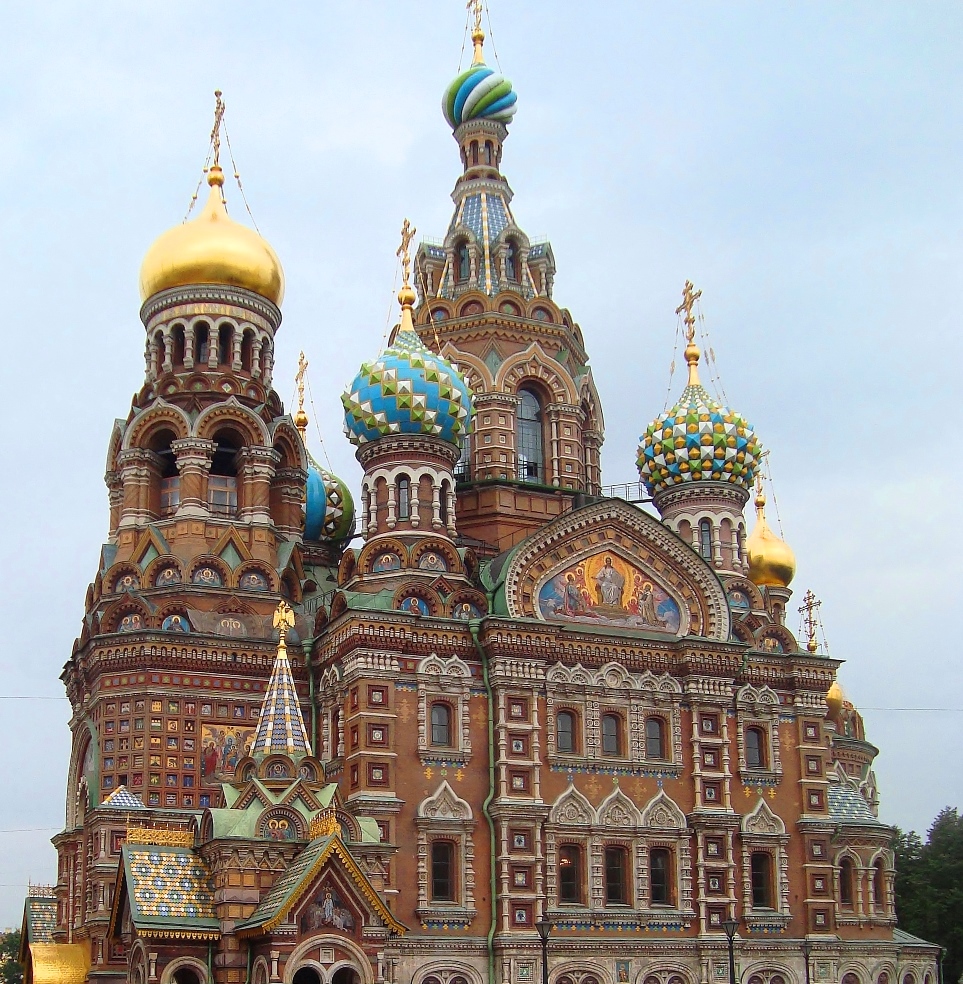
[320, 743]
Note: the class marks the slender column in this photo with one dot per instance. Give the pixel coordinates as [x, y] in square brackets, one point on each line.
[451, 510]
[194, 457]
[236, 349]
[213, 347]
[258, 466]
[256, 357]
[189, 347]
[168, 363]
[392, 519]
[268, 362]
[138, 468]
[436, 505]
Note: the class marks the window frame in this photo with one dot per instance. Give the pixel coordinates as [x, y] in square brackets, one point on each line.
[847, 883]
[705, 539]
[619, 751]
[403, 497]
[761, 882]
[573, 748]
[530, 438]
[451, 877]
[762, 749]
[660, 721]
[574, 868]
[609, 853]
[441, 705]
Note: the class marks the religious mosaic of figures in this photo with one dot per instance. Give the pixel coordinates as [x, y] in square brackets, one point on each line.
[387, 561]
[327, 909]
[606, 589]
[738, 600]
[414, 606]
[431, 561]
[222, 747]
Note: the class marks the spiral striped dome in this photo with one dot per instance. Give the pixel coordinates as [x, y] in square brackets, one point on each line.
[698, 440]
[479, 93]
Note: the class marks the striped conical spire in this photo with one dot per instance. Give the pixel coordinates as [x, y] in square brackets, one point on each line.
[281, 730]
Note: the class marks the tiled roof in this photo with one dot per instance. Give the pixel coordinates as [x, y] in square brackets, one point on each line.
[40, 918]
[847, 805]
[902, 938]
[280, 728]
[168, 887]
[123, 799]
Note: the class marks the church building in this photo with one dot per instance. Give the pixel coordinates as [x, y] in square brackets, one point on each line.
[479, 720]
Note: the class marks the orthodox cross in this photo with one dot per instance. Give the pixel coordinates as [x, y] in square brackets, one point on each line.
[475, 6]
[216, 130]
[407, 234]
[688, 302]
[299, 379]
[808, 611]
[283, 620]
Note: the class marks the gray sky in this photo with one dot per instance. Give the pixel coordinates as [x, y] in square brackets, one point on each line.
[801, 163]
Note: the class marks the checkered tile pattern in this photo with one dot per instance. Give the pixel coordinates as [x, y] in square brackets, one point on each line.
[698, 440]
[41, 916]
[280, 729]
[172, 883]
[847, 805]
[329, 511]
[409, 390]
[123, 799]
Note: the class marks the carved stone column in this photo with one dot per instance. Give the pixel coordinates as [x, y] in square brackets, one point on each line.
[257, 467]
[139, 467]
[194, 457]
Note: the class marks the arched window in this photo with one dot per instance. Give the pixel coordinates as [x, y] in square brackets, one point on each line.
[611, 734]
[879, 883]
[202, 342]
[755, 748]
[530, 463]
[740, 540]
[247, 351]
[846, 893]
[178, 345]
[222, 481]
[565, 732]
[307, 975]
[404, 497]
[616, 883]
[705, 539]
[442, 871]
[225, 338]
[170, 482]
[660, 876]
[655, 738]
[511, 267]
[570, 874]
[474, 151]
[440, 724]
[185, 975]
[462, 262]
[760, 870]
[489, 153]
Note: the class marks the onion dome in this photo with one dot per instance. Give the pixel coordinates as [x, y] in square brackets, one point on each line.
[771, 560]
[329, 511]
[479, 93]
[212, 249]
[408, 390]
[697, 440]
[834, 699]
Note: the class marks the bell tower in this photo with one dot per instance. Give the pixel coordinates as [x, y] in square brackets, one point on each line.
[486, 303]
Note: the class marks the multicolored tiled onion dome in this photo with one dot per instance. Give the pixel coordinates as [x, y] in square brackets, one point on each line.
[698, 440]
[408, 390]
[329, 511]
[479, 92]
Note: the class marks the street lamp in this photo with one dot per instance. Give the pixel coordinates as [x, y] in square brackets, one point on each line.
[730, 926]
[544, 927]
[807, 949]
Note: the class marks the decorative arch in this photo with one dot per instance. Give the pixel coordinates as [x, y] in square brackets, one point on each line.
[209, 561]
[371, 551]
[160, 414]
[445, 804]
[279, 824]
[127, 607]
[762, 821]
[617, 810]
[232, 413]
[447, 972]
[663, 813]
[123, 577]
[156, 576]
[442, 547]
[114, 445]
[184, 963]
[580, 972]
[572, 807]
[269, 576]
[532, 366]
[416, 591]
[285, 434]
[299, 958]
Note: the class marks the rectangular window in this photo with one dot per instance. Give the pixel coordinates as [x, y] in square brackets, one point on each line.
[170, 495]
[570, 874]
[442, 871]
[611, 734]
[222, 495]
[756, 748]
[660, 880]
[616, 888]
[760, 864]
[565, 732]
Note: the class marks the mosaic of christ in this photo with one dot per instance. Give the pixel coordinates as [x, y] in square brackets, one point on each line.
[604, 588]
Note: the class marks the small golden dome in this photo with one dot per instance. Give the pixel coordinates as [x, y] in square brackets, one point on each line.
[212, 249]
[834, 699]
[771, 560]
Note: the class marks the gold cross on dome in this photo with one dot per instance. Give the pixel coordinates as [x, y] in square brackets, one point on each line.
[809, 610]
[299, 379]
[219, 107]
[688, 302]
[476, 7]
[407, 234]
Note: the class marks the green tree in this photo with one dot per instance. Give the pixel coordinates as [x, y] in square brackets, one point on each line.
[10, 971]
[929, 887]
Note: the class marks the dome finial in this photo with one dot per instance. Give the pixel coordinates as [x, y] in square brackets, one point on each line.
[772, 562]
[691, 350]
[477, 34]
[301, 418]
[406, 296]
[809, 612]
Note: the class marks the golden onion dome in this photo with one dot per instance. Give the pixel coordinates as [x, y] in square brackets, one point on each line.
[771, 560]
[834, 699]
[212, 249]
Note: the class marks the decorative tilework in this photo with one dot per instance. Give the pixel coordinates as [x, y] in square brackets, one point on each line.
[168, 883]
[409, 390]
[329, 511]
[280, 728]
[847, 805]
[41, 919]
[123, 799]
[698, 440]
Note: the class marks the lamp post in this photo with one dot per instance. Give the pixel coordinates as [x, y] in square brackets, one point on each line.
[807, 949]
[544, 927]
[730, 926]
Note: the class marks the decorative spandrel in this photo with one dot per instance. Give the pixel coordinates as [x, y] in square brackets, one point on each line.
[606, 589]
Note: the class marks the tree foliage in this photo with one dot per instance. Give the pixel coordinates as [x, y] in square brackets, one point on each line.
[929, 887]
[10, 971]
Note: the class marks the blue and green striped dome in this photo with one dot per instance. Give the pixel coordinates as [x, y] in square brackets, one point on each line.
[479, 93]
[329, 511]
[408, 390]
[698, 440]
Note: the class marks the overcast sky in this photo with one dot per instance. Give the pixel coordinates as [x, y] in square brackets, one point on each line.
[801, 163]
